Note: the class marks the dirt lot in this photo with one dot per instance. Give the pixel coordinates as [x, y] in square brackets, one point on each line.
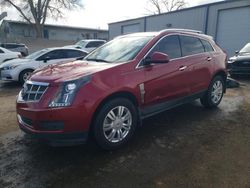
[185, 147]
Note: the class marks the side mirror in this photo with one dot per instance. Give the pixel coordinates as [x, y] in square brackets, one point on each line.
[156, 57]
[46, 59]
[237, 52]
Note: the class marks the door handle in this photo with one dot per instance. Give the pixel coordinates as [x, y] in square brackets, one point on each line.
[182, 68]
[209, 58]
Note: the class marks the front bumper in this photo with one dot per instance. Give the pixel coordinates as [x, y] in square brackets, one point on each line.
[56, 126]
[239, 71]
[8, 75]
[233, 69]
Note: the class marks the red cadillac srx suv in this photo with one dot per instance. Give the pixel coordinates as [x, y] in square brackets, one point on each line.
[122, 82]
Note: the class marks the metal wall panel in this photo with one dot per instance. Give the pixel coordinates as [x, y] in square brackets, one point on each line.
[116, 29]
[188, 19]
[131, 28]
[233, 29]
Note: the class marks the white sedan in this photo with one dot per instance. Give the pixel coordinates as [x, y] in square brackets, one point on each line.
[20, 69]
[88, 45]
[6, 55]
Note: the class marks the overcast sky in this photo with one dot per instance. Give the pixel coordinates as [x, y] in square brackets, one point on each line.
[98, 13]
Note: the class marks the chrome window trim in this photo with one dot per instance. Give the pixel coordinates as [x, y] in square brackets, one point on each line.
[138, 66]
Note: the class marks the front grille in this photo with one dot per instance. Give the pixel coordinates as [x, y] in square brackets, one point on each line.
[242, 64]
[33, 91]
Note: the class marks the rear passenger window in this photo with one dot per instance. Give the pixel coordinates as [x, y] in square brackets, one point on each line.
[10, 46]
[191, 45]
[208, 47]
[169, 45]
[94, 44]
[75, 53]
[1, 51]
[55, 54]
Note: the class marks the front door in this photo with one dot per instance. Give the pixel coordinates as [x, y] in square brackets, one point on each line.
[55, 56]
[168, 81]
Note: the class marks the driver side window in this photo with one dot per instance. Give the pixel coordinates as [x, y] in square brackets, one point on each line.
[169, 45]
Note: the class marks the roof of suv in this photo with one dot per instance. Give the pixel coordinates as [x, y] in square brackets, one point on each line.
[186, 31]
[167, 31]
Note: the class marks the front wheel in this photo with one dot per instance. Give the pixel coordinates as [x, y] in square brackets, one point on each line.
[24, 75]
[115, 123]
[214, 94]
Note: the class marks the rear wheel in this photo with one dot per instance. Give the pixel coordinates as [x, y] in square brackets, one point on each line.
[215, 92]
[24, 75]
[115, 123]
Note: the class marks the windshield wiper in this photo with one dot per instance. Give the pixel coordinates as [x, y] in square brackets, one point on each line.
[98, 60]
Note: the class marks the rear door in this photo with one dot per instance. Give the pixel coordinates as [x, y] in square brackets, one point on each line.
[198, 61]
[168, 81]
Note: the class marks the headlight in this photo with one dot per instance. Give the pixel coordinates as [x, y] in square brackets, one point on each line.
[67, 92]
[10, 67]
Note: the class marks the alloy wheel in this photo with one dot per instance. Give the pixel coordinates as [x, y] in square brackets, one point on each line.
[117, 124]
[217, 91]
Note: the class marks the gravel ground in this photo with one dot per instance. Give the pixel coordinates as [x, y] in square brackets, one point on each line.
[188, 146]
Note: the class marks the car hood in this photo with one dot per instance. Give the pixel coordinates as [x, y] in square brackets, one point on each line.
[59, 73]
[240, 57]
[14, 62]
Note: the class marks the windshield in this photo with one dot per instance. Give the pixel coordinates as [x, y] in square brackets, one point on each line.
[246, 49]
[119, 50]
[81, 43]
[36, 54]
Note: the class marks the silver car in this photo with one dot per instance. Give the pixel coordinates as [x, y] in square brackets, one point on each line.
[16, 47]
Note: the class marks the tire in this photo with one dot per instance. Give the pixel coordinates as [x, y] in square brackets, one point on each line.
[23, 76]
[213, 98]
[24, 54]
[111, 131]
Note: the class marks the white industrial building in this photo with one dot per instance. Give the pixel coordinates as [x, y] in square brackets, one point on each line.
[227, 21]
[17, 29]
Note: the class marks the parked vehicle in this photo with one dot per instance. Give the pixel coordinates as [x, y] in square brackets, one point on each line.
[127, 79]
[240, 63]
[89, 45]
[21, 69]
[16, 47]
[6, 55]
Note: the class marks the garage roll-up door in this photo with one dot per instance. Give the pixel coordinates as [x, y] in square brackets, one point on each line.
[233, 29]
[132, 28]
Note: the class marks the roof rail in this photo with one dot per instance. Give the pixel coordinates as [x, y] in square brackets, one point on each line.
[182, 30]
